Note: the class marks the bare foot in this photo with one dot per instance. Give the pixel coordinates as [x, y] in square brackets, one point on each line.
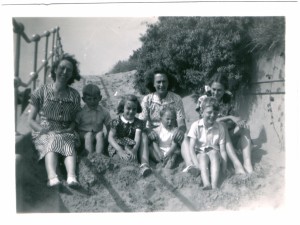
[207, 187]
[248, 167]
[240, 171]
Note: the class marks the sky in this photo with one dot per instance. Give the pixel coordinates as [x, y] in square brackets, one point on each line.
[97, 43]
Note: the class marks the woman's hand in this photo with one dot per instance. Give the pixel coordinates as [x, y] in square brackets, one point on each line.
[44, 131]
[242, 123]
[152, 135]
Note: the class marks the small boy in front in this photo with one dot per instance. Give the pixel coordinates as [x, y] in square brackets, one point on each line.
[207, 144]
[91, 118]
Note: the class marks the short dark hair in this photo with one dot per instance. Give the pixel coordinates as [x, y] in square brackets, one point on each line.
[91, 90]
[73, 61]
[129, 97]
[150, 75]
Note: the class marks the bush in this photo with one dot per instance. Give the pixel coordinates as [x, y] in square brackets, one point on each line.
[192, 49]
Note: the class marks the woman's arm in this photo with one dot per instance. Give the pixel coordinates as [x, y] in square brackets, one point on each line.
[32, 121]
[179, 132]
[70, 129]
[237, 120]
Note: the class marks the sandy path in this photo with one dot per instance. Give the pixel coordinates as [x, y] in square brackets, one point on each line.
[113, 186]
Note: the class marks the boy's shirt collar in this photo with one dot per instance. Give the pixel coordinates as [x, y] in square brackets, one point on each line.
[201, 124]
[126, 121]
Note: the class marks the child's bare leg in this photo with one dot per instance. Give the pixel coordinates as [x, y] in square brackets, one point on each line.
[246, 146]
[89, 142]
[185, 152]
[51, 164]
[144, 150]
[154, 152]
[204, 161]
[214, 157]
[239, 169]
[100, 142]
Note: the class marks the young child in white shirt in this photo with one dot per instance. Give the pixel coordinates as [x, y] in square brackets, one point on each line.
[165, 149]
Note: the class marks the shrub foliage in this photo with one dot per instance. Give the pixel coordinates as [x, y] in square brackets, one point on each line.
[192, 49]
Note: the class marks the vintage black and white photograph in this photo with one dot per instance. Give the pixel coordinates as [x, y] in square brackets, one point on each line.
[153, 111]
[149, 114]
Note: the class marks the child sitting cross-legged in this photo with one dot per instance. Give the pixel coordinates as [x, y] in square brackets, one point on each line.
[207, 144]
[91, 120]
[125, 134]
[165, 149]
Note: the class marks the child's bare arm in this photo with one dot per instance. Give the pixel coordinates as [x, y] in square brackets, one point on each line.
[224, 157]
[114, 144]
[137, 139]
[157, 151]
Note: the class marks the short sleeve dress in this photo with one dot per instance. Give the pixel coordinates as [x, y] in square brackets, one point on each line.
[125, 132]
[55, 114]
[152, 105]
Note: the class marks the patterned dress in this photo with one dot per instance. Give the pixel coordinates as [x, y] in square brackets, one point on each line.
[55, 114]
[125, 132]
[152, 105]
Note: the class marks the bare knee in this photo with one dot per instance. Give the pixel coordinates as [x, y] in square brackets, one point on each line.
[89, 136]
[100, 136]
[214, 156]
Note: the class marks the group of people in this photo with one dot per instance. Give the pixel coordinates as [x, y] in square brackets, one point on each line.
[153, 129]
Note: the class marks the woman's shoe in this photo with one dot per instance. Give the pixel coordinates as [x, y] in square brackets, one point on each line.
[72, 181]
[52, 182]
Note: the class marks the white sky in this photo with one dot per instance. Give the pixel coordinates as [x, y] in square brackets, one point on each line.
[97, 43]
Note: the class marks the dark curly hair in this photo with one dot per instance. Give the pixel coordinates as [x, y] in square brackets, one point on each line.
[129, 97]
[149, 78]
[73, 61]
[222, 79]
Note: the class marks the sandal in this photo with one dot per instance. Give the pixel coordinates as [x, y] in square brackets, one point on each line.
[52, 182]
[145, 170]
